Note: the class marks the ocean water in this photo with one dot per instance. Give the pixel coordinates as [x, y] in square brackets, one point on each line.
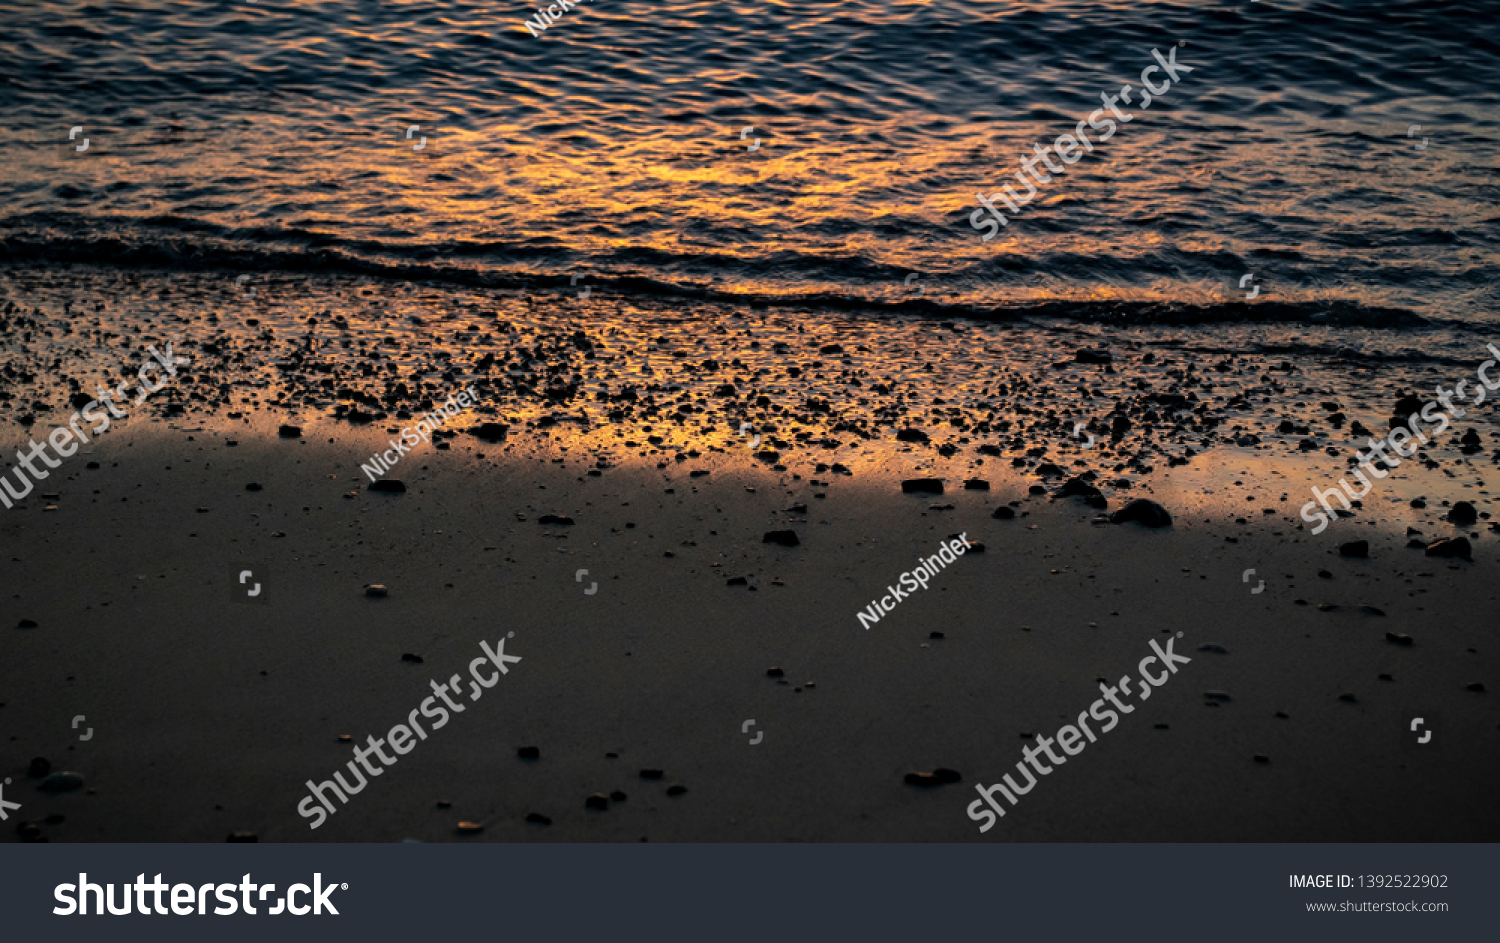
[444, 142]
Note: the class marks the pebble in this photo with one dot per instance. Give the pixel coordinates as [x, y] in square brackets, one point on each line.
[911, 435]
[252, 486]
[375, 589]
[1454, 547]
[1350, 698]
[469, 828]
[242, 837]
[1142, 511]
[290, 432]
[774, 672]
[922, 486]
[786, 538]
[414, 659]
[554, 519]
[618, 796]
[976, 484]
[39, 767]
[652, 774]
[491, 431]
[1003, 514]
[529, 753]
[1355, 548]
[597, 801]
[676, 789]
[937, 777]
[1463, 513]
[61, 782]
[26, 624]
[1396, 638]
[1262, 758]
[538, 818]
[389, 486]
[1476, 687]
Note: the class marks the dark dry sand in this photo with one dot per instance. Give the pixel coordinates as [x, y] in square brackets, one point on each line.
[209, 715]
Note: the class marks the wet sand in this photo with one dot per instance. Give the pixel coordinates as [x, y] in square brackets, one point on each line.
[209, 713]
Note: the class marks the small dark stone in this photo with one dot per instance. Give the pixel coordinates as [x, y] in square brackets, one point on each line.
[29, 832]
[937, 777]
[1355, 548]
[491, 431]
[774, 673]
[389, 486]
[414, 659]
[1396, 638]
[936, 635]
[737, 581]
[538, 818]
[39, 767]
[26, 624]
[1037, 489]
[597, 801]
[652, 774]
[618, 796]
[1085, 355]
[61, 782]
[676, 789]
[1476, 687]
[1463, 513]
[1418, 503]
[242, 837]
[290, 432]
[1455, 547]
[922, 486]
[1004, 514]
[976, 484]
[911, 435]
[1142, 511]
[554, 519]
[1214, 649]
[1262, 758]
[252, 486]
[529, 753]
[1216, 696]
[786, 538]
[1349, 698]
[1077, 486]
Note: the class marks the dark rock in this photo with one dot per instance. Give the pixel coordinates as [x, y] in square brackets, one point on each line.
[39, 767]
[911, 435]
[537, 818]
[1463, 513]
[491, 431]
[242, 837]
[470, 828]
[935, 635]
[1477, 687]
[617, 796]
[922, 486]
[1037, 489]
[1371, 611]
[786, 538]
[1355, 548]
[1398, 639]
[1348, 698]
[376, 591]
[414, 659]
[597, 801]
[1454, 547]
[1142, 511]
[1077, 486]
[389, 486]
[29, 832]
[290, 432]
[554, 519]
[1216, 696]
[738, 581]
[774, 673]
[1215, 649]
[1418, 503]
[529, 753]
[676, 789]
[252, 486]
[652, 774]
[1085, 355]
[1261, 758]
[61, 782]
[1004, 514]
[937, 777]
[976, 484]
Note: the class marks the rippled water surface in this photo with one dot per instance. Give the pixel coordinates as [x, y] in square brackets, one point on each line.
[273, 137]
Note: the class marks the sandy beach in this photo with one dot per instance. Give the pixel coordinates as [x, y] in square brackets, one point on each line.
[211, 711]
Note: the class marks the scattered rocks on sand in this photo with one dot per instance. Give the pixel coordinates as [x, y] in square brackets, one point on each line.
[922, 486]
[61, 782]
[937, 777]
[389, 486]
[1142, 511]
[786, 538]
[1355, 548]
[1453, 547]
